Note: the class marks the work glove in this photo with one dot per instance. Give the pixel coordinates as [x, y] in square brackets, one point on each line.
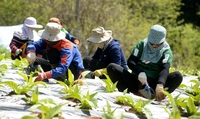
[159, 92]
[142, 78]
[99, 72]
[41, 76]
[31, 57]
[18, 51]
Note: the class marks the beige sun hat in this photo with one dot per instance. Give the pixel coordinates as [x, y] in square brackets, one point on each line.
[100, 35]
[52, 32]
[32, 23]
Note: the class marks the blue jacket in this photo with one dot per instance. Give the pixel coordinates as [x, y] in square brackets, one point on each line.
[112, 54]
[67, 53]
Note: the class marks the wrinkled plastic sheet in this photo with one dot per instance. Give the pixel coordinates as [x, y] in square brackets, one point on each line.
[14, 107]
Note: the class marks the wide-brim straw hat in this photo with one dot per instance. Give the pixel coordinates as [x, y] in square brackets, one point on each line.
[99, 35]
[52, 32]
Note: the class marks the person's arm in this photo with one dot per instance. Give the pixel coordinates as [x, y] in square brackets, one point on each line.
[36, 45]
[13, 45]
[163, 74]
[132, 64]
[166, 63]
[133, 59]
[115, 56]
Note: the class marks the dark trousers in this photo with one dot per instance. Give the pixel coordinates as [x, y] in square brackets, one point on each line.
[128, 80]
[66, 74]
[93, 64]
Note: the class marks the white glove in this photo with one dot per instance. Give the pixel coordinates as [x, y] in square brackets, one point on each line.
[18, 51]
[31, 57]
[142, 78]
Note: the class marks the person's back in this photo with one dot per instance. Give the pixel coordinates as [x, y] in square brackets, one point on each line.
[108, 51]
[112, 54]
[61, 53]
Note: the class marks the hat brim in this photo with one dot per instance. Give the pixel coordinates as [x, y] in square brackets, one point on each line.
[99, 39]
[34, 26]
[155, 40]
[51, 37]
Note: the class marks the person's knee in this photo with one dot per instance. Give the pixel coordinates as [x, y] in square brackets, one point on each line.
[179, 77]
[110, 67]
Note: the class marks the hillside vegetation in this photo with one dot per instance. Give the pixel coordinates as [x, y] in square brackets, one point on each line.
[130, 21]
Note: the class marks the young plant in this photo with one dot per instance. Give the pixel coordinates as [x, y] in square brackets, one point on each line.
[49, 109]
[3, 67]
[193, 89]
[138, 107]
[34, 98]
[87, 101]
[175, 113]
[108, 113]
[110, 87]
[71, 81]
[190, 107]
[20, 64]
[25, 86]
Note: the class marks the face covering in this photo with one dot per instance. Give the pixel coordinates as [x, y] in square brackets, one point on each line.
[153, 54]
[100, 45]
[28, 32]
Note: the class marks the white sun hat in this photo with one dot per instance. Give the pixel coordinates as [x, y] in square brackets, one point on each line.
[52, 32]
[32, 23]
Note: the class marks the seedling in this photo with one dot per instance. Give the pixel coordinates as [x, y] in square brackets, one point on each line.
[110, 87]
[175, 113]
[87, 101]
[26, 86]
[108, 113]
[138, 107]
[49, 109]
[34, 98]
[20, 64]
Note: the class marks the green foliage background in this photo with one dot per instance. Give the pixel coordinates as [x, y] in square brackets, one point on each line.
[130, 21]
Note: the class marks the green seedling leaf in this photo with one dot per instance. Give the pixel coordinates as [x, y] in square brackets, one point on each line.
[2, 56]
[110, 87]
[54, 111]
[13, 85]
[191, 108]
[30, 117]
[3, 68]
[175, 113]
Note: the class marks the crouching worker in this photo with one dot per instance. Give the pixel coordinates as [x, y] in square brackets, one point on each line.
[61, 53]
[22, 37]
[149, 62]
[108, 51]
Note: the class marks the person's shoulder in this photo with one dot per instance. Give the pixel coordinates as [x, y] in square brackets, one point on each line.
[18, 33]
[64, 43]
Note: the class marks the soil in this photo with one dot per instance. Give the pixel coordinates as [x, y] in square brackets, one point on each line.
[92, 117]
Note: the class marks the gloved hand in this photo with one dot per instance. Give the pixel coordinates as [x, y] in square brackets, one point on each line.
[142, 78]
[41, 77]
[99, 72]
[18, 51]
[31, 57]
[159, 92]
